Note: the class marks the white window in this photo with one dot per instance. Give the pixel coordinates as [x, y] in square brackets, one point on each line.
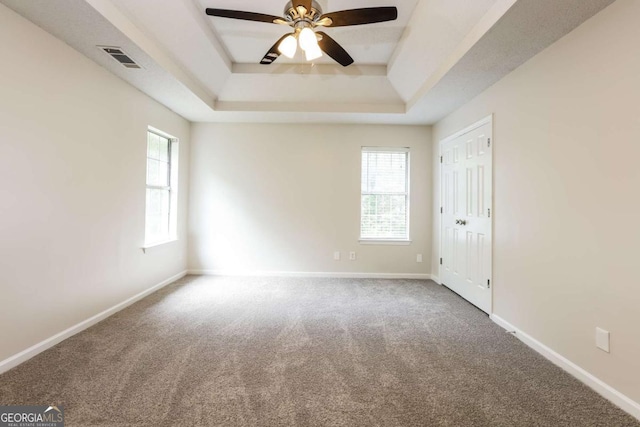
[161, 201]
[385, 194]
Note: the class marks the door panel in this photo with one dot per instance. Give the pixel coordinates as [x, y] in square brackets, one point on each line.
[466, 178]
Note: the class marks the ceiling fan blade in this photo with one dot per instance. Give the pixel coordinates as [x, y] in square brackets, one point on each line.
[273, 53]
[245, 16]
[334, 50]
[368, 15]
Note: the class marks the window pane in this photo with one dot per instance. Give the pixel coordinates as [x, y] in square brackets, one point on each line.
[163, 149]
[152, 172]
[153, 146]
[384, 172]
[157, 173]
[157, 215]
[384, 217]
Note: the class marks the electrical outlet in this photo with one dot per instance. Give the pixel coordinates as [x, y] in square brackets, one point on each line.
[336, 255]
[419, 258]
[602, 339]
[352, 256]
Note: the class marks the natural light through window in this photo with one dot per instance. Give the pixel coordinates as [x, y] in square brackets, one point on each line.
[385, 194]
[160, 217]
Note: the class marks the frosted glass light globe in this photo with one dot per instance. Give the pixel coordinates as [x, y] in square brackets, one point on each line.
[307, 39]
[288, 47]
[313, 53]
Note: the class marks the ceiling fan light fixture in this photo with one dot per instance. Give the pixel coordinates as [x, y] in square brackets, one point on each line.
[307, 39]
[313, 53]
[305, 15]
[288, 46]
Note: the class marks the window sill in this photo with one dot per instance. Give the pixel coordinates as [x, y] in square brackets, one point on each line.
[385, 242]
[156, 244]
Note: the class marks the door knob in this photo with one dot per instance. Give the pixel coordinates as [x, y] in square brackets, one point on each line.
[461, 222]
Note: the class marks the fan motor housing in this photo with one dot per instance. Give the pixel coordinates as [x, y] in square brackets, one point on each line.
[311, 16]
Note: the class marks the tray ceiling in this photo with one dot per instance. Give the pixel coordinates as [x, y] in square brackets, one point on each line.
[437, 55]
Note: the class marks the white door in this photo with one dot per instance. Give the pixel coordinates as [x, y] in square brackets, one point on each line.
[466, 194]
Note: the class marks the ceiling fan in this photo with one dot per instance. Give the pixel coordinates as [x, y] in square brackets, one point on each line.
[304, 16]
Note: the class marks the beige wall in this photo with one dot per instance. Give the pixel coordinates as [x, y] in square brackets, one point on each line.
[566, 194]
[285, 197]
[72, 166]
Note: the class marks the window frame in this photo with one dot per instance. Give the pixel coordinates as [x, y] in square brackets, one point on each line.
[407, 195]
[172, 188]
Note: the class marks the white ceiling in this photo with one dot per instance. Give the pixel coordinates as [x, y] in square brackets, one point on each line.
[436, 56]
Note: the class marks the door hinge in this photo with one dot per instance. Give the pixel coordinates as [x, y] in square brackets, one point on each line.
[441, 209]
[440, 159]
[488, 142]
[489, 212]
[488, 283]
[440, 261]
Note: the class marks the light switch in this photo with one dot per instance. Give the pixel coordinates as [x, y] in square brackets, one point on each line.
[602, 339]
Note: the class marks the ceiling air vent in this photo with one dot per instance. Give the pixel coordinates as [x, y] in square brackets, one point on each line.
[119, 55]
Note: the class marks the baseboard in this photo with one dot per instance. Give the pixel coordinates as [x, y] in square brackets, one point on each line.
[436, 279]
[337, 275]
[599, 386]
[34, 350]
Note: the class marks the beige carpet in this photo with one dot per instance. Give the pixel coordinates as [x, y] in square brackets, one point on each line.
[303, 352]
